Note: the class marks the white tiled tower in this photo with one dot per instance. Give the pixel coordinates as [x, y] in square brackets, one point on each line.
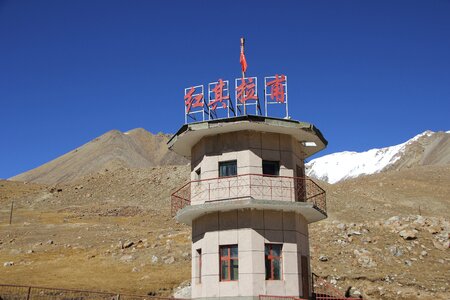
[249, 205]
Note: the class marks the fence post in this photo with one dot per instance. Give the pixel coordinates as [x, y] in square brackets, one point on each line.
[29, 293]
[118, 296]
[11, 212]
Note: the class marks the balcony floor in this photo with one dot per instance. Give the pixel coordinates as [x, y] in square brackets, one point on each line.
[307, 209]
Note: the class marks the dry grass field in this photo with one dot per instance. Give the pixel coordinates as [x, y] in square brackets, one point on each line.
[75, 236]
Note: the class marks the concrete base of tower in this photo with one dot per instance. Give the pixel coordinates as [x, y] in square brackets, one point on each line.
[250, 233]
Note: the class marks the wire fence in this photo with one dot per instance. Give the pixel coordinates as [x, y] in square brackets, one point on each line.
[322, 290]
[5, 214]
[271, 297]
[19, 292]
[325, 291]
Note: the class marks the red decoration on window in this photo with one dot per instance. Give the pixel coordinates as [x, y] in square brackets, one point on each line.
[273, 261]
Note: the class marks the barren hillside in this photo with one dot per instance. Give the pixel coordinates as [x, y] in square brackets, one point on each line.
[422, 190]
[136, 148]
[432, 148]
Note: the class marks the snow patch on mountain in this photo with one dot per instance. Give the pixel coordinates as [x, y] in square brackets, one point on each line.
[349, 164]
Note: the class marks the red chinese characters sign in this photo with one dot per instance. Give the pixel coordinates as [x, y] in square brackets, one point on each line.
[219, 104]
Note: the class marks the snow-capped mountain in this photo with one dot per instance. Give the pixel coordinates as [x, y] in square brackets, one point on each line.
[427, 148]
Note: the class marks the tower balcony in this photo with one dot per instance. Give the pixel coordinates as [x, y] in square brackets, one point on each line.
[254, 191]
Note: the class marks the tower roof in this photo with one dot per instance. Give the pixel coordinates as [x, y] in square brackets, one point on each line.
[188, 135]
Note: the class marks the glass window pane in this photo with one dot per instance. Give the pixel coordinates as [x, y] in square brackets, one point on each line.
[224, 270]
[234, 269]
[271, 167]
[234, 251]
[222, 170]
[267, 250]
[227, 168]
[276, 269]
[276, 250]
[223, 251]
[233, 169]
[268, 271]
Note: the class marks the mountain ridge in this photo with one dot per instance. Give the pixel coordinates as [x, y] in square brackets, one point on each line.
[136, 148]
[427, 148]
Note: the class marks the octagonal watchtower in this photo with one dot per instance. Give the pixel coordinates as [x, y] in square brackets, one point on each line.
[249, 205]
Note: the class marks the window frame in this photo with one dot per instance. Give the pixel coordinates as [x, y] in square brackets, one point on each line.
[225, 163]
[271, 258]
[272, 162]
[228, 258]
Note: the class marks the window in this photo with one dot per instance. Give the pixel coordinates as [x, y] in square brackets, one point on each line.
[271, 167]
[229, 266]
[199, 265]
[273, 261]
[227, 168]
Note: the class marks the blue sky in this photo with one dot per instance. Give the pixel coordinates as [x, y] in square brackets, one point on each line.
[366, 73]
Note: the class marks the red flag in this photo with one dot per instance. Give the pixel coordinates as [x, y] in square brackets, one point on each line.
[243, 62]
[242, 58]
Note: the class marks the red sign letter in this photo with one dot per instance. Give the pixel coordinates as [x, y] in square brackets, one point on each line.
[190, 101]
[246, 90]
[277, 89]
[218, 91]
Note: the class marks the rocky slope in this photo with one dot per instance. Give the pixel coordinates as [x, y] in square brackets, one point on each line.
[387, 234]
[427, 148]
[136, 148]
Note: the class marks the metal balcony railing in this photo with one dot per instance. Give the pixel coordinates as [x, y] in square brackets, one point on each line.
[256, 186]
